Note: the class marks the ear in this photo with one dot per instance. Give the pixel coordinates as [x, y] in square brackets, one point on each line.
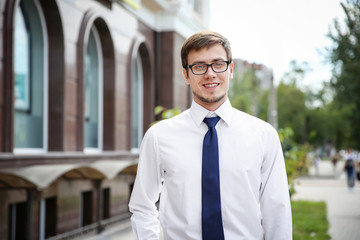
[186, 76]
[231, 66]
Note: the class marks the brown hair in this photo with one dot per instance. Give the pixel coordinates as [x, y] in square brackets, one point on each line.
[204, 39]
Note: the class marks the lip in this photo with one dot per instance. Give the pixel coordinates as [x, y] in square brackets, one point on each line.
[211, 85]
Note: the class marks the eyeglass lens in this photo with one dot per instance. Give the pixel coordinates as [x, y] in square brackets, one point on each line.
[202, 68]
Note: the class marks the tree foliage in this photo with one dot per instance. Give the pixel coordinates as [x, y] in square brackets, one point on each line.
[345, 57]
[165, 113]
[240, 91]
[296, 157]
[291, 110]
[291, 101]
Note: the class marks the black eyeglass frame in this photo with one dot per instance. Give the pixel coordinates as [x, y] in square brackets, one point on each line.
[207, 67]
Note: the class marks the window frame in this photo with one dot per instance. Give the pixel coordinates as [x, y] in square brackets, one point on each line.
[45, 77]
[99, 148]
[137, 75]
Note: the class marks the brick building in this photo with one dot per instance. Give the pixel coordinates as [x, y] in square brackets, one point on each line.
[79, 80]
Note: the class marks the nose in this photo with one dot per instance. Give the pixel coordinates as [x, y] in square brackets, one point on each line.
[210, 72]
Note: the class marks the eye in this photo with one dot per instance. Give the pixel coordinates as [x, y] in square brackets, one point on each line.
[219, 64]
[199, 67]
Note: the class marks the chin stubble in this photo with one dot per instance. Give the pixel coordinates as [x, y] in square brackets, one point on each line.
[209, 100]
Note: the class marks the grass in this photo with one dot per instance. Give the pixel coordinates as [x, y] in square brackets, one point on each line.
[309, 220]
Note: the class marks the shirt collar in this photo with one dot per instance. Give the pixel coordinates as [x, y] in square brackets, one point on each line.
[198, 113]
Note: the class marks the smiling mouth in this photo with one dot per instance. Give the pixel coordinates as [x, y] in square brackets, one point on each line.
[211, 85]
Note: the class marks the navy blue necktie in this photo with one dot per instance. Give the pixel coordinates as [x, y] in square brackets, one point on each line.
[212, 227]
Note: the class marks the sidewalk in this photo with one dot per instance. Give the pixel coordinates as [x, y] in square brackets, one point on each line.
[120, 231]
[343, 209]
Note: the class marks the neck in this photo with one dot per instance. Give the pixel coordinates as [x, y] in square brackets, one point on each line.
[211, 106]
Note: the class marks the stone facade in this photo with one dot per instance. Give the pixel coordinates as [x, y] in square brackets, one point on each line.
[61, 188]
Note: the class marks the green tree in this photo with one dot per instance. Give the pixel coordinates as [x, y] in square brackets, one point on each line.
[291, 101]
[291, 110]
[296, 157]
[297, 72]
[345, 57]
[320, 116]
[240, 91]
[263, 105]
[165, 113]
[325, 119]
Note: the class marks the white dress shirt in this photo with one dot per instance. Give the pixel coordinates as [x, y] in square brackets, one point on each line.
[254, 190]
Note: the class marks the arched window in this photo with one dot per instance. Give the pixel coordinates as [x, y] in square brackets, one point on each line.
[93, 110]
[137, 103]
[30, 76]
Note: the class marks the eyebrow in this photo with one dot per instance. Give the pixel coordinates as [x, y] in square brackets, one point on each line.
[214, 60]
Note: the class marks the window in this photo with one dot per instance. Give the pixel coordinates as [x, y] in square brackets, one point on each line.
[93, 94]
[30, 81]
[137, 104]
[22, 65]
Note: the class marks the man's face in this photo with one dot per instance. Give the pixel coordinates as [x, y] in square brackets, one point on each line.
[210, 89]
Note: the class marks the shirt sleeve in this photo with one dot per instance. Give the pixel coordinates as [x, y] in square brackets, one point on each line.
[274, 192]
[145, 194]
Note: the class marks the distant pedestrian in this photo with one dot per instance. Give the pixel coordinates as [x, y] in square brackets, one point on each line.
[349, 168]
[317, 164]
[357, 166]
[334, 157]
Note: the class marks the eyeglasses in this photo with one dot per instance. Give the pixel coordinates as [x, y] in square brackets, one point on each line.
[201, 68]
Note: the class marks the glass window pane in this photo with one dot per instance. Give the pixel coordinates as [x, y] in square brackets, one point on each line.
[137, 104]
[21, 63]
[28, 78]
[92, 94]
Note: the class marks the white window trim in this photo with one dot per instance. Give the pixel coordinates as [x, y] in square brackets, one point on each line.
[139, 68]
[42, 219]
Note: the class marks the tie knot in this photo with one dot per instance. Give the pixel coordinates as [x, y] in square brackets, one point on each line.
[211, 122]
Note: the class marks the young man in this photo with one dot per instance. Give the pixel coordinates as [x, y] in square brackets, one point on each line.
[219, 180]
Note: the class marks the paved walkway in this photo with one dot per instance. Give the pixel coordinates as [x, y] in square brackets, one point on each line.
[343, 206]
[120, 231]
[327, 184]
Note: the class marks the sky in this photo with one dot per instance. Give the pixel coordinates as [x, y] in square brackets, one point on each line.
[274, 32]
